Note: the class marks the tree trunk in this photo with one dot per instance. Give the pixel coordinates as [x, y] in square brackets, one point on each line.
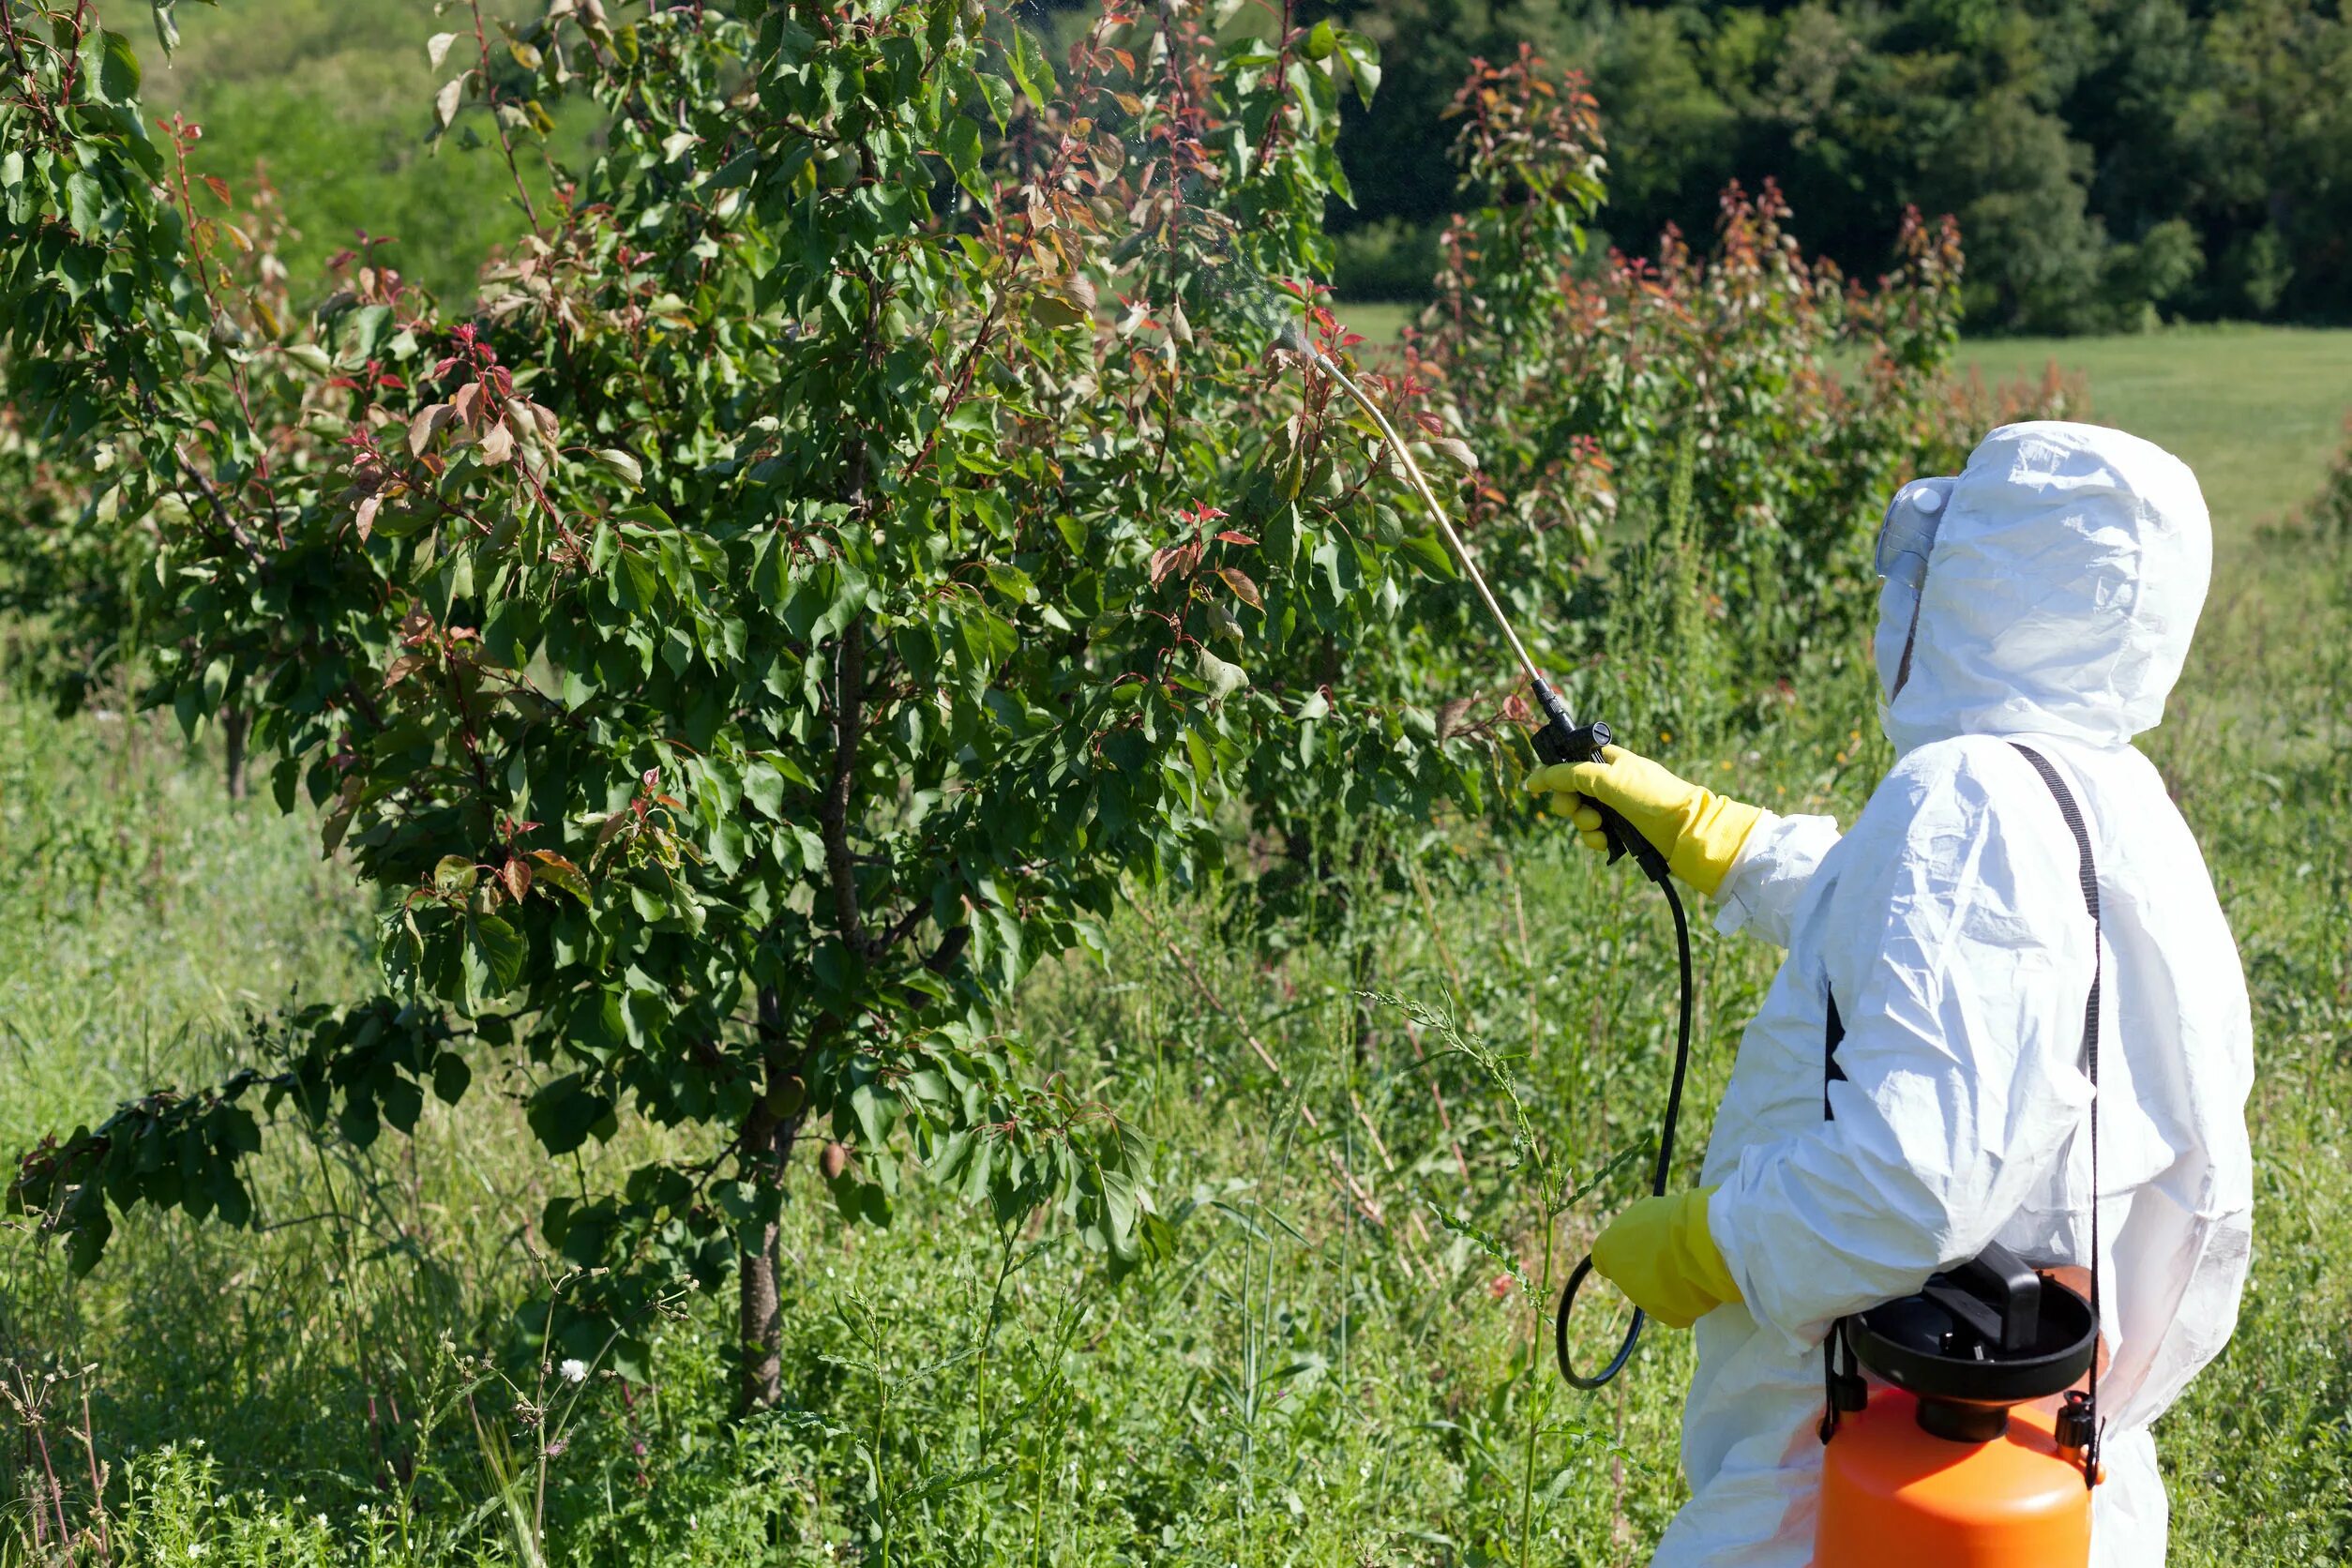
[234, 722]
[759, 1319]
[769, 1129]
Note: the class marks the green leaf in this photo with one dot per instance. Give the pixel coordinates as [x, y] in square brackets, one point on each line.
[1011, 582]
[502, 950]
[560, 873]
[91, 1231]
[1363, 56]
[118, 75]
[1430, 555]
[960, 146]
[764, 787]
[451, 1076]
[1031, 72]
[85, 203]
[562, 1114]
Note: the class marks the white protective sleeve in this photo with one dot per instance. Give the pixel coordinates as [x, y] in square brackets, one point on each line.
[1760, 894]
[1960, 954]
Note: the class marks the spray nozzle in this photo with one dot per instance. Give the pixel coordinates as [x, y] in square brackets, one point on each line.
[1293, 337]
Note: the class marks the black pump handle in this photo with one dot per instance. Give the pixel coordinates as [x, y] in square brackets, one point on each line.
[1999, 1279]
[1563, 740]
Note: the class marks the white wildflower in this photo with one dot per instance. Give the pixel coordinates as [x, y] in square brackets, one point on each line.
[574, 1370]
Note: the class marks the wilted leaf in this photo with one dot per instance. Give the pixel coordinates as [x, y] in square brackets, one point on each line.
[1243, 589]
[498, 444]
[1174, 561]
[1223, 679]
[429, 420]
[437, 48]
[445, 102]
[620, 465]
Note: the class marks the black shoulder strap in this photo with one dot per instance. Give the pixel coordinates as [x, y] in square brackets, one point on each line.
[2088, 870]
[1842, 1392]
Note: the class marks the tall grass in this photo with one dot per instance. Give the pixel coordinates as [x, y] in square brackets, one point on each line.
[1338, 1359]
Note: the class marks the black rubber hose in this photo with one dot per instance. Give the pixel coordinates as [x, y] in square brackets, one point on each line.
[1664, 1165]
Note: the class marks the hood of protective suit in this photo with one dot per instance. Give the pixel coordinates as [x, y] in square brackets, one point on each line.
[2064, 585]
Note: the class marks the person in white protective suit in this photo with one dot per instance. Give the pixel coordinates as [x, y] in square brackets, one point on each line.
[2045, 596]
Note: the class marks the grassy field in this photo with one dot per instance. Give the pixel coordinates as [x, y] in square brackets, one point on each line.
[2257, 411]
[1305, 1378]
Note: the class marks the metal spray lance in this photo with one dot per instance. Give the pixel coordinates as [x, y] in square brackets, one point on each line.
[1561, 740]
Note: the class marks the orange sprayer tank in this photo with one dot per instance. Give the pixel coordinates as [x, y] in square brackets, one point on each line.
[1894, 1495]
[1947, 1463]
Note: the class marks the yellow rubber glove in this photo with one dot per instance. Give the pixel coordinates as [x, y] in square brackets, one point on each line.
[1659, 1252]
[1699, 831]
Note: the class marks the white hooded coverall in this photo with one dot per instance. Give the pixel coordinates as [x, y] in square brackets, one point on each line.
[2067, 575]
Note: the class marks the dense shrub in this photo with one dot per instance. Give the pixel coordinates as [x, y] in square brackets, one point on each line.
[1588, 383]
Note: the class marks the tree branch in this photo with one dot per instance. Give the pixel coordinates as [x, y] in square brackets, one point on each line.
[849, 720]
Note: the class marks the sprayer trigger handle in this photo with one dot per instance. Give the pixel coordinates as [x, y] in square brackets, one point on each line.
[1557, 742]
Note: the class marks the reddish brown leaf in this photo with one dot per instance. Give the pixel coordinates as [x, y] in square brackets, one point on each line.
[515, 876]
[219, 188]
[421, 429]
[1243, 589]
[1174, 561]
[1233, 537]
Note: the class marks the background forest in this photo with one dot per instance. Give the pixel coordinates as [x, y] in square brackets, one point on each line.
[2110, 160]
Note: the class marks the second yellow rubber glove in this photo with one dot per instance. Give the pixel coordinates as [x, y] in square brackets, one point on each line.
[1699, 831]
[1661, 1254]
